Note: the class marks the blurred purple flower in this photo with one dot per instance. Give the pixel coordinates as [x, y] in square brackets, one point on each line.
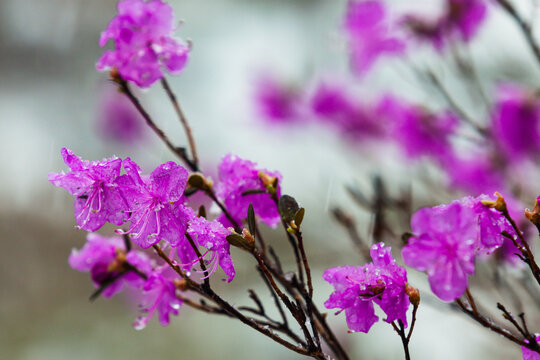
[357, 287]
[369, 35]
[464, 17]
[331, 104]
[97, 197]
[276, 102]
[144, 44]
[104, 257]
[418, 131]
[236, 176]
[516, 124]
[118, 120]
[474, 174]
[155, 203]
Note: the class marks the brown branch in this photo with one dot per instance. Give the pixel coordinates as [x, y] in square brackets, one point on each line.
[184, 122]
[525, 27]
[180, 152]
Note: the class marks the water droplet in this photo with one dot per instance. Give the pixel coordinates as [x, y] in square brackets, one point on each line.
[175, 306]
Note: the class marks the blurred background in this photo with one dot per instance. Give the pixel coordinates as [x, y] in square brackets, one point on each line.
[51, 97]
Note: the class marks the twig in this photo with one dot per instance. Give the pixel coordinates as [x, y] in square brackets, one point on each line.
[404, 339]
[524, 26]
[180, 152]
[187, 129]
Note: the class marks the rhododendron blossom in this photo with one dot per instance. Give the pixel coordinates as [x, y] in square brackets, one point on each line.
[158, 294]
[211, 235]
[155, 203]
[369, 33]
[97, 196]
[104, 258]
[357, 287]
[529, 354]
[144, 44]
[238, 176]
[447, 240]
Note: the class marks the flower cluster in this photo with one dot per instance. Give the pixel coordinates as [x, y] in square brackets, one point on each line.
[382, 282]
[154, 206]
[447, 240]
[144, 44]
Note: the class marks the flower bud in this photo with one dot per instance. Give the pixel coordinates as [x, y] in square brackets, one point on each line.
[414, 295]
[199, 182]
[181, 284]
[246, 241]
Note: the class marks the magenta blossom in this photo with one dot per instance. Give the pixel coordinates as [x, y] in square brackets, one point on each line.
[97, 197]
[104, 258]
[475, 174]
[357, 287]
[418, 131]
[447, 239]
[332, 105]
[529, 354]
[212, 236]
[118, 120]
[144, 44]
[155, 203]
[276, 102]
[236, 177]
[369, 34]
[158, 294]
[464, 17]
[516, 122]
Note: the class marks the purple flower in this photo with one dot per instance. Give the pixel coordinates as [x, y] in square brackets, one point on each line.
[105, 259]
[474, 174]
[212, 236]
[236, 176]
[143, 36]
[97, 197]
[424, 29]
[357, 287]
[333, 105]
[369, 34]
[529, 354]
[155, 203]
[516, 122]
[447, 239]
[276, 102]
[118, 119]
[158, 294]
[418, 131]
[464, 17]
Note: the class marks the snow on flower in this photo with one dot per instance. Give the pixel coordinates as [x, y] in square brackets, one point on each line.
[97, 197]
[142, 33]
[357, 287]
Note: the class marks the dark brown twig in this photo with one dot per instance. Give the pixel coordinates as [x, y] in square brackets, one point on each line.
[183, 120]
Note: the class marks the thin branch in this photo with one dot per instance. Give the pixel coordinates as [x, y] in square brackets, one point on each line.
[184, 122]
[526, 28]
[180, 152]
